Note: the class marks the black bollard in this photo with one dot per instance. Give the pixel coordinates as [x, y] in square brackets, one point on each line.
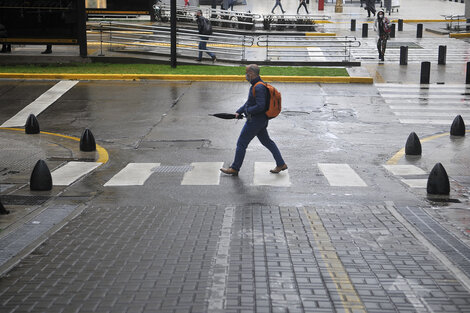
[441, 60]
[404, 55]
[392, 31]
[438, 181]
[365, 30]
[32, 125]
[468, 24]
[467, 78]
[400, 25]
[3, 211]
[41, 179]
[353, 25]
[458, 126]
[425, 72]
[87, 141]
[419, 31]
[413, 145]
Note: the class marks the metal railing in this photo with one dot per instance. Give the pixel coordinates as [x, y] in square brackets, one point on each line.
[126, 37]
[452, 19]
[298, 21]
[310, 48]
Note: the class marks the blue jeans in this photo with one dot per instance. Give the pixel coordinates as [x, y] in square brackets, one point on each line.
[203, 46]
[278, 3]
[257, 126]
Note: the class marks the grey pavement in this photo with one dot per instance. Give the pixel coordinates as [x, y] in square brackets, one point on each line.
[236, 246]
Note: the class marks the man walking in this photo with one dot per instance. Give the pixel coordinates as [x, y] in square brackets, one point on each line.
[256, 124]
[204, 28]
[302, 3]
[278, 3]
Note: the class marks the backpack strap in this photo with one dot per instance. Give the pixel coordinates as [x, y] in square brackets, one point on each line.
[257, 85]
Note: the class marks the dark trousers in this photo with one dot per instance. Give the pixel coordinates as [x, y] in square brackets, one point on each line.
[382, 45]
[256, 127]
[203, 46]
[300, 5]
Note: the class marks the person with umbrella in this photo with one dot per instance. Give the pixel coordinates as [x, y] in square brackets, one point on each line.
[256, 125]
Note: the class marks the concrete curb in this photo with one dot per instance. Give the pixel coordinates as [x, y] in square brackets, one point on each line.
[170, 77]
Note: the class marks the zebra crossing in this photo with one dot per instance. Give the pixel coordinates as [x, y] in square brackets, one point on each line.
[430, 104]
[418, 50]
[208, 174]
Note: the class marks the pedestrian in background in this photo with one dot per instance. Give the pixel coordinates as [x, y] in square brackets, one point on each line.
[370, 7]
[186, 3]
[6, 47]
[302, 3]
[48, 50]
[204, 28]
[256, 123]
[278, 3]
[382, 27]
[230, 4]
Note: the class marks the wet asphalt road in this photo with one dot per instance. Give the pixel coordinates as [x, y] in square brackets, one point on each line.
[166, 247]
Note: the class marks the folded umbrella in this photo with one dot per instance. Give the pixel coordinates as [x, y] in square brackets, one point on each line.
[226, 116]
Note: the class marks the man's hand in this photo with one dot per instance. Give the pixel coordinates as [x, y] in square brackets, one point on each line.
[237, 116]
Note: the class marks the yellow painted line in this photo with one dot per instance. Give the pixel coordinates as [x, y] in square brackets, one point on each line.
[394, 160]
[320, 34]
[348, 295]
[429, 21]
[459, 35]
[103, 156]
[171, 77]
[322, 22]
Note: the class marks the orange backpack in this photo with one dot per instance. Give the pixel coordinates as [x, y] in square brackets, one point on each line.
[274, 105]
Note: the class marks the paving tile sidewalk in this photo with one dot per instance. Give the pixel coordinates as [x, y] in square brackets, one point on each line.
[258, 258]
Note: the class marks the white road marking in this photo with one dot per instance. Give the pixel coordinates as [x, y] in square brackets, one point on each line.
[218, 273]
[40, 104]
[404, 170]
[416, 183]
[203, 173]
[426, 121]
[71, 172]
[263, 177]
[341, 175]
[316, 54]
[427, 107]
[448, 114]
[134, 174]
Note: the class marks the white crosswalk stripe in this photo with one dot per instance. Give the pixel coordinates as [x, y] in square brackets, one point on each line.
[404, 171]
[341, 175]
[71, 172]
[262, 176]
[430, 104]
[418, 50]
[203, 174]
[134, 174]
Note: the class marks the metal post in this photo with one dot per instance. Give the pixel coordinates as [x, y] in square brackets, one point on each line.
[365, 30]
[101, 41]
[425, 72]
[243, 48]
[467, 76]
[81, 22]
[392, 31]
[353, 25]
[173, 32]
[441, 60]
[400, 25]
[267, 47]
[404, 55]
[419, 31]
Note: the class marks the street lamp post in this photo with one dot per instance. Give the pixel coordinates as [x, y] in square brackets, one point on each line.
[173, 32]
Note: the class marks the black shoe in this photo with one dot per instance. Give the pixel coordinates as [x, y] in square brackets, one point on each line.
[382, 58]
[214, 58]
[198, 60]
[46, 52]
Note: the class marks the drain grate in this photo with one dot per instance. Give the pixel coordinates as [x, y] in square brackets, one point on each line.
[23, 200]
[172, 169]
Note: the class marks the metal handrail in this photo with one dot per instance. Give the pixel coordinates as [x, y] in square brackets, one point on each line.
[158, 38]
[298, 16]
[283, 46]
